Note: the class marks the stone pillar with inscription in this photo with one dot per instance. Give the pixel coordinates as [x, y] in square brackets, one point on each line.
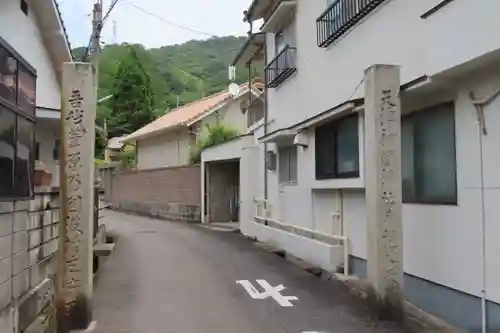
[75, 271]
[384, 187]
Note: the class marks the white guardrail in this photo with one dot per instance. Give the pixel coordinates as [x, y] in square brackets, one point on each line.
[264, 211]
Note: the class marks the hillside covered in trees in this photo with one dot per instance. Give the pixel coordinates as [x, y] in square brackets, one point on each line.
[186, 71]
[147, 83]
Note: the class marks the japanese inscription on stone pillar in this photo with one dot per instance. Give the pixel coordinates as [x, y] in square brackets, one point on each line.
[383, 178]
[77, 179]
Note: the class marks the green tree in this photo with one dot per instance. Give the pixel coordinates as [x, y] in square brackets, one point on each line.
[133, 102]
[217, 133]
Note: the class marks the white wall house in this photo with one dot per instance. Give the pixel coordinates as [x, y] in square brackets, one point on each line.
[33, 47]
[33, 34]
[167, 141]
[449, 56]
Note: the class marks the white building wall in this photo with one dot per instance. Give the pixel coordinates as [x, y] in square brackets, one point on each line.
[442, 244]
[440, 241]
[471, 32]
[394, 34]
[22, 33]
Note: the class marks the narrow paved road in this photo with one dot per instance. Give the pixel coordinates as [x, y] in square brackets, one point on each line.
[167, 277]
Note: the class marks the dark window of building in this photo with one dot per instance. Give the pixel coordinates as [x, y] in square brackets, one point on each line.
[8, 76]
[429, 168]
[17, 126]
[337, 149]
[24, 159]
[57, 146]
[7, 152]
[27, 91]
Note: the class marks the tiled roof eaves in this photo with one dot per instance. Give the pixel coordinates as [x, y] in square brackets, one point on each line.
[59, 13]
[202, 115]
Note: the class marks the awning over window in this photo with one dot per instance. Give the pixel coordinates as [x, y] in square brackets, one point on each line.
[283, 13]
[282, 136]
[253, 49]
[287, 134]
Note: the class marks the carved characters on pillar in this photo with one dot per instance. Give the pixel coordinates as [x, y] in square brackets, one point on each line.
[389, 118]
[74, 135]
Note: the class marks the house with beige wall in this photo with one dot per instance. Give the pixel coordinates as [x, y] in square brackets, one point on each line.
[167, 141]
[311, 153]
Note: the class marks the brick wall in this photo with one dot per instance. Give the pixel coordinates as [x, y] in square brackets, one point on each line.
[28, 244]
[171, 193]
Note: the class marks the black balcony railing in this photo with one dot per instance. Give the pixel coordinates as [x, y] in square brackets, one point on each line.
[340, 17]
[281, 67]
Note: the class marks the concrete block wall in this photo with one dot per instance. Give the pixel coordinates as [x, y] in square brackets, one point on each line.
[28, 246]
[171, 193]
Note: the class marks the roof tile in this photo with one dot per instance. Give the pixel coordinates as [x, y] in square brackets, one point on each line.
[182, 115]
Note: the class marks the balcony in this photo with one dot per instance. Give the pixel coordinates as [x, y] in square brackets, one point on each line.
[281, 67]
[340, 17]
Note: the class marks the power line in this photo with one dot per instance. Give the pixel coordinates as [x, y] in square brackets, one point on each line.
[170, 22]
[113, 4]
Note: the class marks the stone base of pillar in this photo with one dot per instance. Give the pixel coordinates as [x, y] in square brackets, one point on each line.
[388, 307]
[76, 317]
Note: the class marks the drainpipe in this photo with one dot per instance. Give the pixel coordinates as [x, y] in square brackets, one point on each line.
[479, 104]
[266, 120]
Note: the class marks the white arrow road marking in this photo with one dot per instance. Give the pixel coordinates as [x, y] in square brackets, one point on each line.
[269, 291]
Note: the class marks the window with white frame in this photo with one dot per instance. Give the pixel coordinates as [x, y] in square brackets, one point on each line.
[337, 149]
[287, 165]
[429, 168]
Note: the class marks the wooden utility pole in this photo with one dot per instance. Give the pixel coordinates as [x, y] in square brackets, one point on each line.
[95, 47]
[75, 256]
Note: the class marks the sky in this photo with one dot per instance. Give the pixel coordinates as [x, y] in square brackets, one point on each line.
[220, 18]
